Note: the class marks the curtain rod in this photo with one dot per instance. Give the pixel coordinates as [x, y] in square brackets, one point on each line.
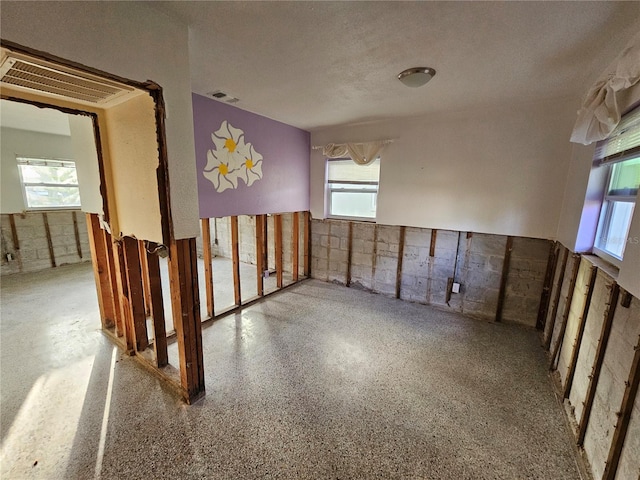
[385, 142]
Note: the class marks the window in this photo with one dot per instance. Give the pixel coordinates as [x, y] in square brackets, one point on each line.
[620, 154]
[352, 189]
[48, 184]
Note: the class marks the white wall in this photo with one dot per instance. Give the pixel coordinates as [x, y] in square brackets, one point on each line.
[84, 150]
[134, 41]
[21, 142]
[497, 170]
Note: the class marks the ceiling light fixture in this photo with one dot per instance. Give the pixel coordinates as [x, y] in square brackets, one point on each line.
[416, 76]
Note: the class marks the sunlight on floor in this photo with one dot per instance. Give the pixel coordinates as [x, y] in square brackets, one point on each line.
[41, 437]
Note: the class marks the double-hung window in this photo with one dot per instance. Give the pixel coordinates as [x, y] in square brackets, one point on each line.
[49, 184]
[352, 189]
[620, 154]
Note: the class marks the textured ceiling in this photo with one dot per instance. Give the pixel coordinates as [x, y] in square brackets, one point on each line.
[314, 64]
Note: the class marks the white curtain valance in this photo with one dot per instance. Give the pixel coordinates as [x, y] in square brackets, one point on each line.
[600, 112]
[360, 153]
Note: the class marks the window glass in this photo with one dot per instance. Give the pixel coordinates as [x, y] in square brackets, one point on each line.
[625, 178]
[352, 189]
[49, 183]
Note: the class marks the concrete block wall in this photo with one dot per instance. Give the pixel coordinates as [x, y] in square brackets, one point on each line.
[220, 229]
[33, 254]
[473, 260]
[616, 367]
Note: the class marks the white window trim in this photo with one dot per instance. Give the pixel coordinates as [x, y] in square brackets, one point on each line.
[328, 190]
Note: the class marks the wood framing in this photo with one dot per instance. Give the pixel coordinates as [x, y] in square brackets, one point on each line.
[124, 326]
[547, 286]
[624, 415]
[14, 232]
[277, 223]
[138, 315]
[374, 255]
[349, 254]
[145, 277]
[235, 255]
[580, 333]
[99, 258]
[183, 275]
[567, 309]
[52, 255]
[295, 245]
[432, 244]
[503, 278]
[306, 244]
[261, 220]
[207, 258]
[157, 306]
[113, 278]
[399, 263]
[601, 349]
[556, 301]
[76, 233]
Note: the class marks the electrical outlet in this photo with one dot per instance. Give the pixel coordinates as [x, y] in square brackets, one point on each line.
[455, 288]
[9, 257]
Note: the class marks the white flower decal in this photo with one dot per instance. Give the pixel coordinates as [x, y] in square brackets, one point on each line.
[231, 158]
[251, 169]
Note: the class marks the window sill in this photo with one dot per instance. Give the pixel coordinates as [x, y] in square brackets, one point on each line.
[351, 219]
[603, 265]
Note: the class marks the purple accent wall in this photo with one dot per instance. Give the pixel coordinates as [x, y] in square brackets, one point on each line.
[286, 152]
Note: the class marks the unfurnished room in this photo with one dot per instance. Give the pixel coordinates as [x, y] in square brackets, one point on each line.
[320, 239]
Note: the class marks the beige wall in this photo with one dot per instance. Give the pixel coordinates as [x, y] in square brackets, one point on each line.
[133, 159]
[109, 36]
[498, 170]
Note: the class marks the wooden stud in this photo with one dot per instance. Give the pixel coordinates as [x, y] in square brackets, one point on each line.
[399, 263]
[185, 302]
[625, 301]
[295, 245]
[277, 222]
[601, 349]
[235, 255]
[157, 307]
[581, 326]
[265, 237]
[565, 316]
[113, 278]
[546, 286]
[503, 278]
[136, 293]
[624, 416]
[306, 244]
[374, 255]
[144, 267]
[432, 245]
[52, 255]
[77, 233]
[556, 300]
[125, 323]
[349, 254]
[208, 266]
[14, 232]
[101, 271]
[261, 220]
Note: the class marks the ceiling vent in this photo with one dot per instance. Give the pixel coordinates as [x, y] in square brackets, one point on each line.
[223, 97]
[52, 79]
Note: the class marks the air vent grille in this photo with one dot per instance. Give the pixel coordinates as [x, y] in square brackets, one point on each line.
[49, 80]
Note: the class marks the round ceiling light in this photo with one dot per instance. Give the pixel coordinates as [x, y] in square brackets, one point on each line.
[416, 76]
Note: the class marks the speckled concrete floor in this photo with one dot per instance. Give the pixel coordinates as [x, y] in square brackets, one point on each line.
[318, 381]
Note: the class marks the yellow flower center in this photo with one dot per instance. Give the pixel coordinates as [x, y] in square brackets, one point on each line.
[223, 168]
[230, 145]
[249, 163]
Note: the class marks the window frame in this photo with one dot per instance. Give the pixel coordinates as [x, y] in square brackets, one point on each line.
[329, 190]
[606, 212]
[24, 184]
